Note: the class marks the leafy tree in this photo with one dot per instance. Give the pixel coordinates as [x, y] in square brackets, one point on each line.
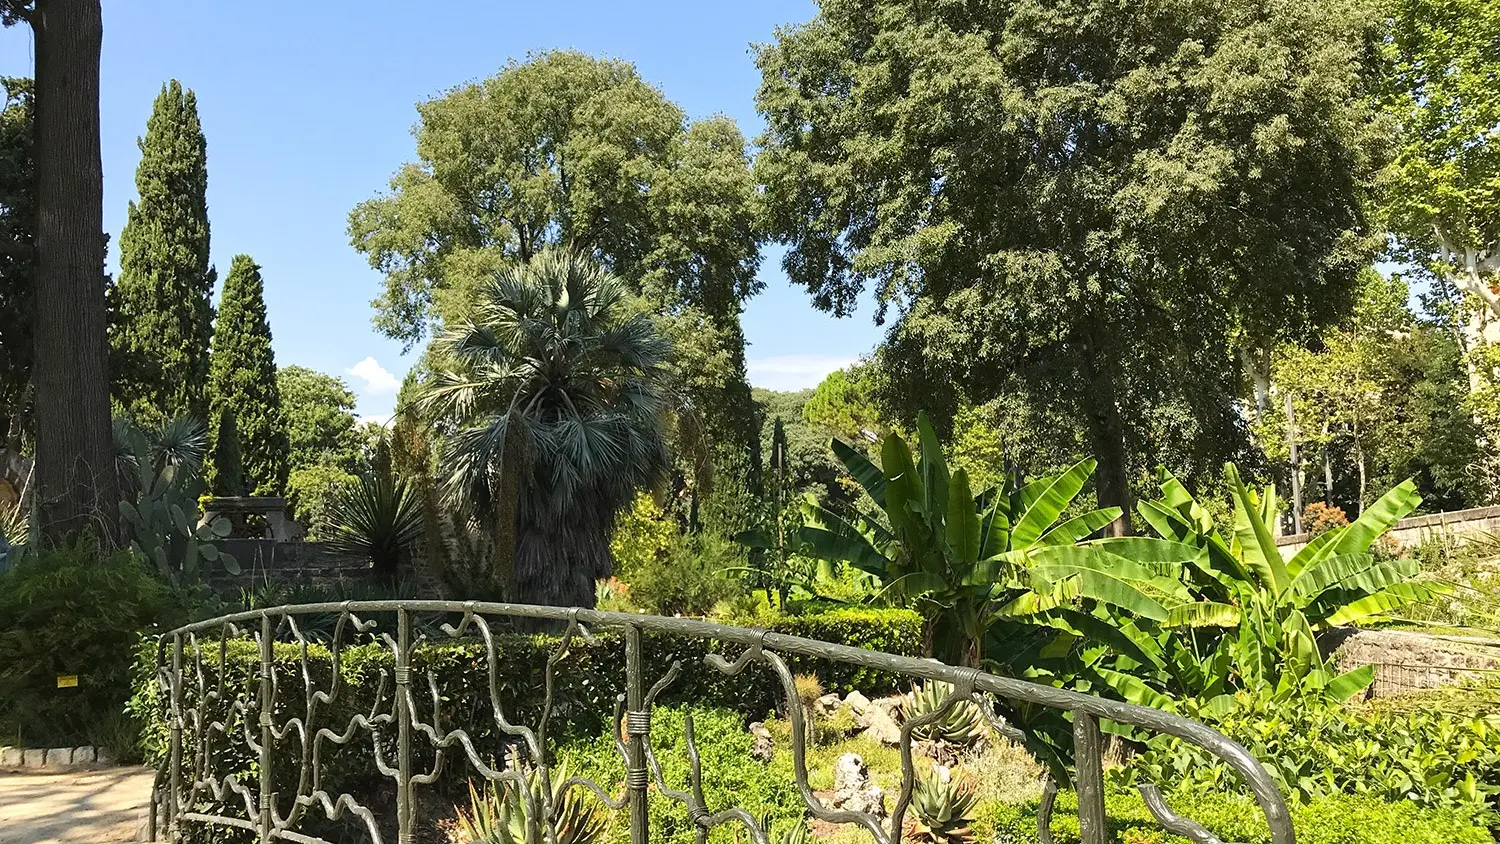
[846, 404]
[567, 149]
[320, 423]
[1096, 199]
[557, 382]
[74, 479]
[1442, 195]
[17, 256]
[243, 384]
[162, 302]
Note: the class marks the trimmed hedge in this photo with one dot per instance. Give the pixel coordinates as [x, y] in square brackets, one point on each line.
[585, 689]
[1327, 820]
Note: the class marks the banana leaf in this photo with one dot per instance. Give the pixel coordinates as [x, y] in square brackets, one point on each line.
[1049, 503]
[864, 471]
[1379, 518]
[1257, 545]
[1079, 527]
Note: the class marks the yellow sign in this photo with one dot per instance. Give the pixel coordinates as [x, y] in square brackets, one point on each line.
[67, 681]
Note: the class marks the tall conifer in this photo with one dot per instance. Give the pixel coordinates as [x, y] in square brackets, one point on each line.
[162, 303]
[242, 383]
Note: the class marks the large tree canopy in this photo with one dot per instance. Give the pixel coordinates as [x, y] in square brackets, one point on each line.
[163, 311]
[243, 390]
[1097, 197]
[17, 254]
[569, 150]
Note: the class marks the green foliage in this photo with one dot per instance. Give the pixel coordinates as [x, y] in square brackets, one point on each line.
[558, 382]
[1426, 758]
[499, 815]
[731, 777]
[943, 805]
[321, 427]
[161, 306]
[696, 574]
[1328, 820]
[644, 536]
[312, 491]
[243, 383]
[74, 610]
[1043, 202]
[845, 404]
[962, 724]
[160, 484]
[379, 518]
[17, 245]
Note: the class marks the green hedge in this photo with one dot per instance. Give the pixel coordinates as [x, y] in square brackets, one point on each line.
[586, 686]
[1328, 820]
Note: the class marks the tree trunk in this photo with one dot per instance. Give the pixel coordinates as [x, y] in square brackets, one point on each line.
[1295, 455]
[1257, 365]
[75, 464]
[1107, 436]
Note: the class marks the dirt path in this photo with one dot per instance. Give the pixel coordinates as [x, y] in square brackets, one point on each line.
[86, 807]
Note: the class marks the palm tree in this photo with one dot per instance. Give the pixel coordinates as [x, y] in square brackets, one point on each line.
[558, 385]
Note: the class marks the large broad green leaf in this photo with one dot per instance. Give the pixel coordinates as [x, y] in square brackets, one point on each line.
[962, 522]
[816, 515]
[866, 472]
[1133, 690]
[1379, 518]
[1318, 548]
[1203, 614]
[1257, 545]
[850, 547]
[934, 470]
[1167, 522]
[1311, 581]
[1054, 497]
[1176, 496]
[1125, 639]
[995, 532]
[1079, 527]
[1300, 647]
[1355, 574]
[1379, 604]
[1104, 577]
[903, 487]
[1351, 683]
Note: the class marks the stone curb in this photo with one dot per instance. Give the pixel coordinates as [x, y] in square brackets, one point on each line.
[53, 759]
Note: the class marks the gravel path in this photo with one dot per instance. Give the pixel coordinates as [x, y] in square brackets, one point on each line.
[84, 807]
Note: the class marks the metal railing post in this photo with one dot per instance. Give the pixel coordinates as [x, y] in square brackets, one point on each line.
[175, 784]
[267, 739]
[636, 721]
[1088, 752]
[405, 801]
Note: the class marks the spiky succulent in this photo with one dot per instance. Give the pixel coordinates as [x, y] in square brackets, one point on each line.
[962, 724]
[498, 814]
[942, 804]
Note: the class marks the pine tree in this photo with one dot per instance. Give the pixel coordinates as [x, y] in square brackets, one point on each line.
[162, 303]
[242, 382]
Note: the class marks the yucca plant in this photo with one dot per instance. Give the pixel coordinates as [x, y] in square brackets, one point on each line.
[498, 814]
[962, 724]
[378, 518]
[942, 804]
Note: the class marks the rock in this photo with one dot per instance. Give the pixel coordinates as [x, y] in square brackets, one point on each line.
[764, 746]
[102, 759]
[33, 757]
[82, 756]
[858, 702]
[826, 704]
[852, 789]
[10, 757]
[881, 726]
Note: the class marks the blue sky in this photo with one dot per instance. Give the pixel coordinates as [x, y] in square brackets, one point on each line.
[308, 109]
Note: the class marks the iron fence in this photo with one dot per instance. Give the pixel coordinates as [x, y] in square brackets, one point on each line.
[192, 788]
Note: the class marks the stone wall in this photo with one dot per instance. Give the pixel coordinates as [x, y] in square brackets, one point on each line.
[290, 563]
[1418, 529]
[1409, 661]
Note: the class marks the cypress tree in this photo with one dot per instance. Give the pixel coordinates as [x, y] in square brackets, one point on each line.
[162, 303]
[242, 383]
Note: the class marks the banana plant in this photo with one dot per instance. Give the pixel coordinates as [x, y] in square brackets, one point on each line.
[960, 557]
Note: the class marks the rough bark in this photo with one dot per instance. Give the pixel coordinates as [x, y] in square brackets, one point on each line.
[1107, 435]
[75, 471]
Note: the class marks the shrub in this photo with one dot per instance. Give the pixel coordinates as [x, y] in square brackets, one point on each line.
[1337, 819]
[730, 776]
[690, 580]
[1319, 518]
[1425, 758]
[74, 611]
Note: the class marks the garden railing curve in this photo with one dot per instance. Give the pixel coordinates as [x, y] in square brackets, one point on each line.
[189, 789]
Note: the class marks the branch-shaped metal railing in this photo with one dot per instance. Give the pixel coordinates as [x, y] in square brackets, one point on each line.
[202, 708]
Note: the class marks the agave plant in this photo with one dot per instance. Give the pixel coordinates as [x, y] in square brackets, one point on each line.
[378, 518]
[962, 724]
[500, 815]
[160, 474]
[942, 804]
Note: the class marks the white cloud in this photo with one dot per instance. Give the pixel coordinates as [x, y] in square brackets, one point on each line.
[376, 377]
[794, 372]
[376, 419]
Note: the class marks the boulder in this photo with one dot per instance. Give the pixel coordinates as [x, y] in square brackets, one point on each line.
[827, 704]
[10, 757]
[881, 726]
[858, 702]
[852, 789]
[764, 745]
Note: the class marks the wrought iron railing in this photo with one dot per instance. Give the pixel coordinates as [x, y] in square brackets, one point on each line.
[199, 704]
